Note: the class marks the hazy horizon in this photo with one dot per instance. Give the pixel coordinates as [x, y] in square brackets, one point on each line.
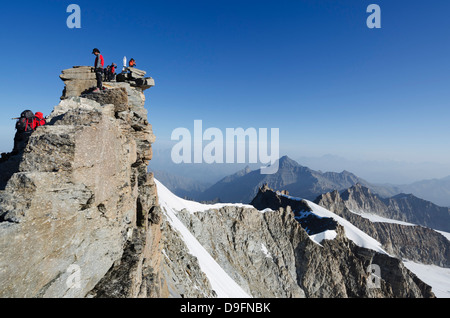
[373, 171]
[312, 69]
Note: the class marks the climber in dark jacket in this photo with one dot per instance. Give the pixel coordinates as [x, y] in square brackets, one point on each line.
[112, 71]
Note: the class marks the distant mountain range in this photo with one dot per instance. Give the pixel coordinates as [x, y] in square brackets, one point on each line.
[300, 181]
[434, 190]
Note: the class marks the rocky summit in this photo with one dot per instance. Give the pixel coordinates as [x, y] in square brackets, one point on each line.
[77, 198]
[81, 216]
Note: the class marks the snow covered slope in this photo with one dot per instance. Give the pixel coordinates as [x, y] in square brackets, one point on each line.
[179, 204]
[221, 282]
[437, 277]
[352, 232]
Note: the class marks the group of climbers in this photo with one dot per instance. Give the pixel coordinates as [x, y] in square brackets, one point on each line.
[25, 125]
[28, 121]
[107, 73]
[110, 72]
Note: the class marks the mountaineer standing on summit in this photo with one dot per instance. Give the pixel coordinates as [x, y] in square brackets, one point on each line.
[98, 69]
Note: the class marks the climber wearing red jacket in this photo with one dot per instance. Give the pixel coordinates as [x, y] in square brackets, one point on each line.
[98, 69]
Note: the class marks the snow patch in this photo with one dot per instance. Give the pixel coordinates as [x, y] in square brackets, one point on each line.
[178, 204]
[327, 235]
[265, 251]
[265, 210]
[288, 196]
[352, 232]
[446, 234]
[377, 219]
[437, 277]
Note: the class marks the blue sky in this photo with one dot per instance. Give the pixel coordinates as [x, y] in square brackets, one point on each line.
[310, 68]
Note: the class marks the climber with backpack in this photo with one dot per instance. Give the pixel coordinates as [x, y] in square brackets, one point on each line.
[25, 125]
[112, 72]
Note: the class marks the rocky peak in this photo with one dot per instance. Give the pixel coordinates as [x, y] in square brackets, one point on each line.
[287, 163]
[269, 198]
[81, 80]
[359, 198]
[78, 199]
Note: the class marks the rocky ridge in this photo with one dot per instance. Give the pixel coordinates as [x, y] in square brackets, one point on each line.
[269, 254]
[401, 207]
[413, 242]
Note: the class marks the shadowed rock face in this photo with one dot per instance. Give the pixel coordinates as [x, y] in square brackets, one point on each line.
[267, 198]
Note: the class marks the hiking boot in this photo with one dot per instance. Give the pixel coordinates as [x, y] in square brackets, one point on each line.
[96, 90]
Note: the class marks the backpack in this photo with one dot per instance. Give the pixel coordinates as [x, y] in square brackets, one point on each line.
[26, 121]
[39, 120]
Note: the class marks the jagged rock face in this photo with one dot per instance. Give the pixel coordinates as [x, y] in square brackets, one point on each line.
[415, 243]
[80, 206]
[256, 249]
[267, 198]
[402, 207]
[269, 254]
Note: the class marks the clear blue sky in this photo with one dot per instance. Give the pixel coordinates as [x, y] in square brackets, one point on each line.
[309, 67]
